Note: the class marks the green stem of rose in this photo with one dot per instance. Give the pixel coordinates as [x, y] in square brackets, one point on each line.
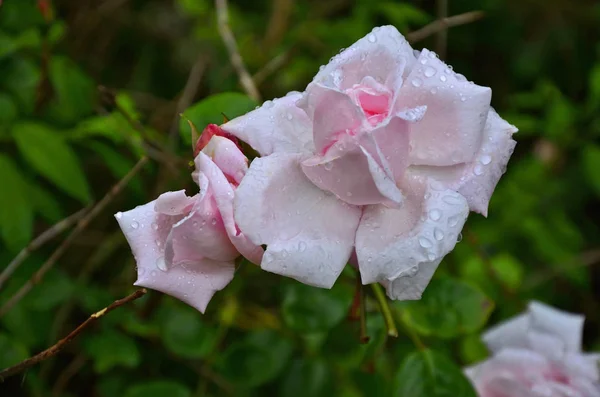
[364, 338]
[385, 310]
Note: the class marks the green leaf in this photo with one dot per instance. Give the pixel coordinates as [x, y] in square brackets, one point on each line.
[430, 374]
[21, 77]
[308, 309]
[591, 165]
[118, 165]
[12, 351]
[256, 359]
[44, 203]
[185, 333]
[50, 155]
[16, 211]
[210, 111]
[158, 388]
[55, 288]
[73, 89]
[8, 110]
[308, 378]
[111, 349]
[448, 308]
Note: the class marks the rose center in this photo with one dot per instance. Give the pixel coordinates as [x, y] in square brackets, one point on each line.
[373, 98]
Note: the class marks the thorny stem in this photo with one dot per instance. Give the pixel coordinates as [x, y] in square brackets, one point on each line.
[385, 310]
[60, 345]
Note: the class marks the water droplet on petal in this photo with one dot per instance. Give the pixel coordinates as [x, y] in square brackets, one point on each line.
[431, 256]
[268, 104]
[424, 242]
[438, 234]
[443, 78]
[459, 238]
[485, 159]
[328, 166]
[214, 221]
[429, 71]
[349, 194]
[478, 170]
[154, 226]
[158, 243]
[289, 116]
[161, 264]
[423, 61]
[435, 214]
[453, 221]
[134, 225]
[119, 215]
[301, 246]
[417, 82]
[372, 38]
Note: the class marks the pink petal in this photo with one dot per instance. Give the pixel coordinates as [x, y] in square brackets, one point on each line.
[451, 131]
[309, 234]
[277, 126]
[511, 333]
[383, 54]
[146, 231]
[333, 114]
[477, 180]
[566, 326]
[223, 194]
[228, 157]
[193, 283]
[401, 248]
[174, 203]
[347, 172]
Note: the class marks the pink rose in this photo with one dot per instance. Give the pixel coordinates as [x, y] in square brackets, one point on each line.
[537, 354]
[384, 154]
[186, 246]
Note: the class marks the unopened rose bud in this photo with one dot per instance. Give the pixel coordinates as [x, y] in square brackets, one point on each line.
[210, 131]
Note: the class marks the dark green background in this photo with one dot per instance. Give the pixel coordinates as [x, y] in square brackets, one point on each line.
[63, 144]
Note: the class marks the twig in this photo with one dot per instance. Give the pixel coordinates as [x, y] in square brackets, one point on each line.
[443, 24]
[189, 92]
[81, 225]
[67, 373]
[40, 240]
[234, 55]
[441, 39]
[385, 310]
[271, 67]
[587, 258]
[278, 23]
[60, 345]
[364, 337]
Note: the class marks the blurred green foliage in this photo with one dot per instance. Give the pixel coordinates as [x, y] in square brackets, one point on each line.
[89, 88]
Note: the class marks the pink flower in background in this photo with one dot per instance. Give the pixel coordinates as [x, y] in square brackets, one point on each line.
[537, 354]
[383, 155]
[186, 246]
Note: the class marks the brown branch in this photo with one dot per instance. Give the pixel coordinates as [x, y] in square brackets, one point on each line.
[443, 24]
[234, 54]
[40, 240]
[81, 225]
[441, 39]
[278, 23]
[60, 345]
[271, 67]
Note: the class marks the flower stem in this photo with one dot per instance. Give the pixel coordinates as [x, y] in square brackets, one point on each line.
[364, 338]
[385, 310]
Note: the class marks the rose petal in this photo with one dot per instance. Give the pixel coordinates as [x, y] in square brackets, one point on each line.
[333, 114]
[228, 157]
[401, 248]
[194, 284]
[566, 326]
[173, 203]
[223, 194]
[146, 232]
[309, 233]
[345, 171]
[477, 180]
[383, 54]
[277, 126]
[451, 130]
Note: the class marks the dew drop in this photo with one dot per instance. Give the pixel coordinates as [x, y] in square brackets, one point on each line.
[363, 56]
[431, 256]
[154, 226]
[412, 271]
[301, 246]
[459, 238]
[289, 116]
[433, 91]
[416, 82]
[158, 243]
[429, 71]
[438, 234]
[424, 242]
[453, 221]
[268, 104]
[161, 264]
[443, 78]
[452, 200]
[349, 194]
[370, 259]
[328, 166]
[119, 215]
[435, 215]
[485, 159]
[134, 225]
[423, 61]
[478, 170]
[195, 224]
[372, 38]
[214, 221]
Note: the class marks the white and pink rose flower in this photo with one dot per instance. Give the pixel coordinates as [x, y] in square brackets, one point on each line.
[537, 354]
[377, 163]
